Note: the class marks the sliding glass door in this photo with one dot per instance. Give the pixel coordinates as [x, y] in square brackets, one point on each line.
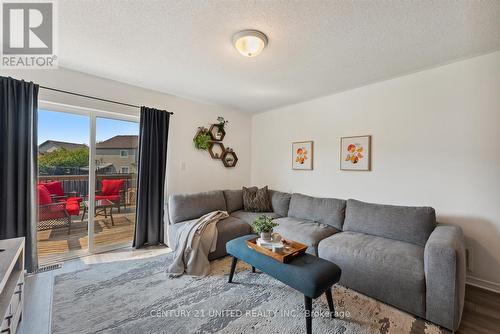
[63, 184]
[88, 165]
[116, 154]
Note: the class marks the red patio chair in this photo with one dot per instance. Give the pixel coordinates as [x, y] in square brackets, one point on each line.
[52, 215]
[57, 193]
[111, 189]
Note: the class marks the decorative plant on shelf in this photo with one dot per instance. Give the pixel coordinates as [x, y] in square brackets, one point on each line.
[202, 139]
[264, 226]
[222, 123]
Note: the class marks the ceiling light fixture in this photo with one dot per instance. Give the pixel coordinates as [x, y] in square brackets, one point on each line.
[249, 43]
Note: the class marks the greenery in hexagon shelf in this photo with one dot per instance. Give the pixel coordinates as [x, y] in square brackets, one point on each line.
[202, 139]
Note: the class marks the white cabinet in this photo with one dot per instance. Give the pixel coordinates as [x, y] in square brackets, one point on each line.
[11, 284]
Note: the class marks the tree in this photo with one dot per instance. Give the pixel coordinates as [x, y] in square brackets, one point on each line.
[65, 158]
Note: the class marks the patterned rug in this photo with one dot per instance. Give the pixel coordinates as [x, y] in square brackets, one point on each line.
[135, 296]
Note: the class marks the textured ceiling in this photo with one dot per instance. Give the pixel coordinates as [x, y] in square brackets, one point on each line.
[315, 47]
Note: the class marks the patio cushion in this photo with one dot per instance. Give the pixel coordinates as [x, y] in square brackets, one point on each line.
[111, 187]
[43, 195]
[73, 207]
[54, 188]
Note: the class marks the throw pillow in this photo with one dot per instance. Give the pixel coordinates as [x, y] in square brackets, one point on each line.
[256, 200]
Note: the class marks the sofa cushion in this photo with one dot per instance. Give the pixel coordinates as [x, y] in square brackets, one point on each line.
[280, 202]
[256, 200]
[228, 229]
[234, 200]
[304, 231]
[249, 217]
[328, 211]
[183, 207]
[389, 270]
[403, 223]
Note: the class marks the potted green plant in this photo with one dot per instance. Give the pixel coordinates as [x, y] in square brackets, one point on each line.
[221, 124]
[202, 139]
[264, 226]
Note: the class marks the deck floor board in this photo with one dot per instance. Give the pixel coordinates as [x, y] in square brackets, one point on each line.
[56, 245]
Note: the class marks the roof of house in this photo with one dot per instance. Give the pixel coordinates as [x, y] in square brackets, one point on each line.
[63, 144]
[120, 141]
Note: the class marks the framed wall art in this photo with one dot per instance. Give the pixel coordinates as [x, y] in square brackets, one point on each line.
[302, 155]
[355, 153]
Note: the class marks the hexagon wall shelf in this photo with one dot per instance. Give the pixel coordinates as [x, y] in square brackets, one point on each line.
[216, 134]
[229, 158]
[216, 149]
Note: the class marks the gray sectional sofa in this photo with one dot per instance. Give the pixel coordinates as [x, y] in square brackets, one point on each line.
[396, 254]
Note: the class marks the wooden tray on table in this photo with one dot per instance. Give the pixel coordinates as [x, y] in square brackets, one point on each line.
[291, 250]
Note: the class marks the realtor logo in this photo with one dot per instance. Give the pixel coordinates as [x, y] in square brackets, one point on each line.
[28, 35]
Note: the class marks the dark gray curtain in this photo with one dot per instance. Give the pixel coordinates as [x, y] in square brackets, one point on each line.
[153, 136]
[18, 146]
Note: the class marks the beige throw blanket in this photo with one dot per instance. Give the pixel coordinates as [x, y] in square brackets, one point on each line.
[195, 240]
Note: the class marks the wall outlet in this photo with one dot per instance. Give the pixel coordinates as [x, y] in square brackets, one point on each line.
[469, 259]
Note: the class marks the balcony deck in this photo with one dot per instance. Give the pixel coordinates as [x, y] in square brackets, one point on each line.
[56, 245]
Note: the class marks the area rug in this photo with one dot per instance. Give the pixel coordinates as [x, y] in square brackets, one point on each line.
[136, 296]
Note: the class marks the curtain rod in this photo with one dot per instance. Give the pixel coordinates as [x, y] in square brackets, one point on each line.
[95, 98]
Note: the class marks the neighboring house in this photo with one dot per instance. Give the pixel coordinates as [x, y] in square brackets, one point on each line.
[53, 145]
[119, 154]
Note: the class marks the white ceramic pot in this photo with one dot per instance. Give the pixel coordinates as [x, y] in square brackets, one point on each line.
[265, 236]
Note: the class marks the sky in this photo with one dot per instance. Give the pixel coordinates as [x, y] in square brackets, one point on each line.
[75, 128]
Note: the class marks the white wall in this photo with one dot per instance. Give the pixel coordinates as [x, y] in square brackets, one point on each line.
[201, 171]
[436, 141]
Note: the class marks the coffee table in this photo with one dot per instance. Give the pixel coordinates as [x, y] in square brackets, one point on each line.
[308, 274]
[101, 209]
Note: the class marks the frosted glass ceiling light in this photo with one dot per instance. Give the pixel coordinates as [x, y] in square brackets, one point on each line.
[249, 43]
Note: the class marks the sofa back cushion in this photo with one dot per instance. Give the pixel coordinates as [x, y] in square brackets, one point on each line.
[234, 200]
[328, 211]
[183, 207]
[404, 223]
[256, 200]
[280, 202]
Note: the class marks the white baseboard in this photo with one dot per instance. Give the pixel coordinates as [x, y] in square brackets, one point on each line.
[482, 283]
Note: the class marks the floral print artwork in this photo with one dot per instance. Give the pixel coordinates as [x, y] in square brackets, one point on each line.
[302, 155]
[355, 153]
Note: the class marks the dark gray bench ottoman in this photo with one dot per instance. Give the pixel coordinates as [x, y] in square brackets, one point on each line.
[307, 274]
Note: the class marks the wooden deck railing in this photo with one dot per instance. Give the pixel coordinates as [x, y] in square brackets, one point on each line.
[80, 183]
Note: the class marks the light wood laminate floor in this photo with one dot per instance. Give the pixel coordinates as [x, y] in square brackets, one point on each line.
[481, 312]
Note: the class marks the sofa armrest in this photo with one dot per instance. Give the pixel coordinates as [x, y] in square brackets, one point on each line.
[444, 265]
